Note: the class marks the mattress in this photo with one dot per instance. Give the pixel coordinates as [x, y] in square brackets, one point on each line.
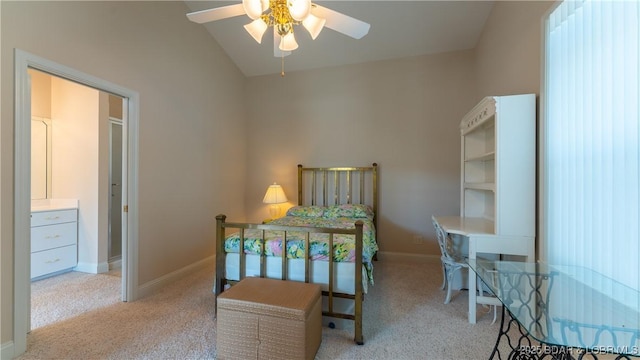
[343, 280]
[343, 244]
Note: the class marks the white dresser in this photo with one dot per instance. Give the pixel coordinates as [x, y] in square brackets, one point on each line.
[54, 240]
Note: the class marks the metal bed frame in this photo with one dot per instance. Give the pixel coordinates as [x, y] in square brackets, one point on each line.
[329, 186]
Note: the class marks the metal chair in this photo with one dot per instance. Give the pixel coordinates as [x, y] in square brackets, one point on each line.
[452, 260]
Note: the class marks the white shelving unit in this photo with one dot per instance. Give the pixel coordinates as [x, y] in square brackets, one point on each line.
[498, 183]
[498, 164]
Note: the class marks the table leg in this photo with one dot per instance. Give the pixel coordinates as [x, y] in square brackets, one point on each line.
[472, 297]
[523, 348]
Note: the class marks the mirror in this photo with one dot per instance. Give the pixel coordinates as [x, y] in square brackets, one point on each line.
[40, 158]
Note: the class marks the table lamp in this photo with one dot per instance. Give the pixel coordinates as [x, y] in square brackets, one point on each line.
[274, 196]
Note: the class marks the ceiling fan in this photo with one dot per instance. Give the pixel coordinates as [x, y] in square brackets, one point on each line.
[283, 15]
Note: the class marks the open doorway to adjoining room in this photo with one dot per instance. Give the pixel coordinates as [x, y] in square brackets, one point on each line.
[92, 247]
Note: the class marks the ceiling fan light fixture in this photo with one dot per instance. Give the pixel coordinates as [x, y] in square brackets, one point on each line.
[276, 46]
[283, 28]
[314, 25]
[255, 8]
[299, 9]
[288, 42]
[283, 15]
[256, 29]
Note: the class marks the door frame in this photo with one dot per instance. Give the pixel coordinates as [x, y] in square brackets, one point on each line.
[22, 183]
[114, 122]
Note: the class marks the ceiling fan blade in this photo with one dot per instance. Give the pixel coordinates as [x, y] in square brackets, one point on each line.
[218, 13]
[341, 22]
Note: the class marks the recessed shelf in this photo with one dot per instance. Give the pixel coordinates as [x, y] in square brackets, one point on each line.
[480, 186]
[483, 157]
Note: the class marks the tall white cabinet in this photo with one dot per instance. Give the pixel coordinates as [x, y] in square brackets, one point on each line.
[498, 183]
[498, 165]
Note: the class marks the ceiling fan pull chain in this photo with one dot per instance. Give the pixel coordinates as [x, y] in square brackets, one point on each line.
[282, 64]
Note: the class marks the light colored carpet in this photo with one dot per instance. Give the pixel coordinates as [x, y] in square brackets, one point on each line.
[405, 318]
[78, 292]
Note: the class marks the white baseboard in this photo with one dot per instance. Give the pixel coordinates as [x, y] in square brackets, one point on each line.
[115, 264]
[404, 257]
[92, 268]
[151, 286]
[6, 351]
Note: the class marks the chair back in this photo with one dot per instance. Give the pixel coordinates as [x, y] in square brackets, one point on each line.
[447, 248]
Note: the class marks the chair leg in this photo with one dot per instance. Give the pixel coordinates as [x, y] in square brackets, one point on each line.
[481, 292]
[444, 277]
[450, 275]
[479, 285]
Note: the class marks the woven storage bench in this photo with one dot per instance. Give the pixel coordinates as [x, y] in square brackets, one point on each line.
[262, 318]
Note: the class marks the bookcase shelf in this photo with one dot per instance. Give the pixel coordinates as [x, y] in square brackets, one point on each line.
[498, 164]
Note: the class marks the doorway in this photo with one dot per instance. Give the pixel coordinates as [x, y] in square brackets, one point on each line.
[67, 169]
[22, 189]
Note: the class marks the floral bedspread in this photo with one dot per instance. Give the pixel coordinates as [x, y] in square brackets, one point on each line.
[343, 244]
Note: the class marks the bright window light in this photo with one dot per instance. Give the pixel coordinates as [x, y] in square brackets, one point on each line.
[590, 138]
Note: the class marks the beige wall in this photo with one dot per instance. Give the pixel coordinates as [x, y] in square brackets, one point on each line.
[115, 106]
[40, 94]
[508, 55]
[402, 114]
[191, 115]
[76, 159]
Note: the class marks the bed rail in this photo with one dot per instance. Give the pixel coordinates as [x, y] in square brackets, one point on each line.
[220, 278]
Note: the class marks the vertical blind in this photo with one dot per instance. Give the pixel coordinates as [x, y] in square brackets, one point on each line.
[591, 153]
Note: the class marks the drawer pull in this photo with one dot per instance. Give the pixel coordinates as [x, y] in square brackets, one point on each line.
[52, 237]
[52, 261]
[53, 217]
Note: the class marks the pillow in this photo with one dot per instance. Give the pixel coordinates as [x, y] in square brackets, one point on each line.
[306, 211]
[349, 210]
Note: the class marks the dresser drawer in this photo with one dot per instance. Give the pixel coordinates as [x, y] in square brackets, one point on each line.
[53, 217]
[53, 236]
[48, 261]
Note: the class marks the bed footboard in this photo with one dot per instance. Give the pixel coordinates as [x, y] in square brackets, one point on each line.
[221, 281]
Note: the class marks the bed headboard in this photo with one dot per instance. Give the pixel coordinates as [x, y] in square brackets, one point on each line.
[325, 186]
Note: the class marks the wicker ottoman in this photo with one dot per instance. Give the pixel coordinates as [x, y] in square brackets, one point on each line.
[269, 319]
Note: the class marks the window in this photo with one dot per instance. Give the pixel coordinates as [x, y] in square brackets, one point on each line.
[590, 137]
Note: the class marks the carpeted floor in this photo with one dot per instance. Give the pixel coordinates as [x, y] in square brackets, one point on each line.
[80, 316]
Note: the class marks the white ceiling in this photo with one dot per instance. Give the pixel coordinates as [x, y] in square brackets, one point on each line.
[398, 29]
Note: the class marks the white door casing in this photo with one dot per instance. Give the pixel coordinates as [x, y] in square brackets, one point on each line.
[22, 184]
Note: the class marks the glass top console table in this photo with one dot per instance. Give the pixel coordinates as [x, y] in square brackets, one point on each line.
[561, 312]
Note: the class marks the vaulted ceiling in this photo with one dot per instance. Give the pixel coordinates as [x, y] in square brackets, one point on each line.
[398, 29]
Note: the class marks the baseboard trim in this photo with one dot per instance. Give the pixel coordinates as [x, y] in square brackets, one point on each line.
[150, 287]
[6, 351]
[92, 268]
[115, 264]
[404, 257]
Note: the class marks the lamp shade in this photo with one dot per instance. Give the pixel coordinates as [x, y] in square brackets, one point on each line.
[274, 195]
[276, 45]
[288, 42]
[257, 29]
[314, 25]
[299, 9]
[255, 8]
